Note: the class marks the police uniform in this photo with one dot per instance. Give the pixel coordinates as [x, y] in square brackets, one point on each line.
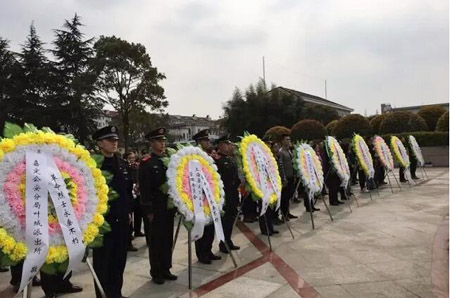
[203, 246]
[159, 231]
[110, 259]
[229, 174]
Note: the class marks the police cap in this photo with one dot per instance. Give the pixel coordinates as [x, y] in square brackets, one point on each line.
[159, 133]
[106, 133]
[202, 134]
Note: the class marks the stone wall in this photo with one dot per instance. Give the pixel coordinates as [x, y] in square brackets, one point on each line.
[437, 156]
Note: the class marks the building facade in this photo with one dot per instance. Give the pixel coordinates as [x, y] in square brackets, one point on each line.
[183, 128]
[387, 108]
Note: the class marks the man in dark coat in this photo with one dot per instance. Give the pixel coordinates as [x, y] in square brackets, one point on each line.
[110, 259]
[158, 218]
[203, 246]
[228, 171]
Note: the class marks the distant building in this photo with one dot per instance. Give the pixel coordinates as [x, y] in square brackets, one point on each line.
[182, 128]
[387, 108]
[106, 118]
[316, 100]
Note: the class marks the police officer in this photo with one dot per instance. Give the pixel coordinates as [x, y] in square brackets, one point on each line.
[158, 219]
[203, 246]
[228, 171]
[110, 259]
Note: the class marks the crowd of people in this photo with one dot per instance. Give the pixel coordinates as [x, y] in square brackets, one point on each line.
[138, 179]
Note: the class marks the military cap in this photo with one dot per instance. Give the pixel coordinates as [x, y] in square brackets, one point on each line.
[106, 133]
[223, 139]
[202, 134]
[158, 133]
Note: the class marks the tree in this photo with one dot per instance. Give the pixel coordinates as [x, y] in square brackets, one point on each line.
[375, 122]
[308, 129]
[431, 115]
[324, 114]
[331, 127]
[275, 133]
[37, 75]
[442, 124]
[75, 105]
[402, 121]
[11, 78]
[127, 79]
[350, 124]
[256, 110]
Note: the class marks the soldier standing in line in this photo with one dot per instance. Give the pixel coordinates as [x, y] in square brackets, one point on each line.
[288, 165]
[110, 259]
[203, 246]
[158, 218]
[228, 171]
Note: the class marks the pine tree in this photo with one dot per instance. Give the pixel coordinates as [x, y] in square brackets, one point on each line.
[76, 80]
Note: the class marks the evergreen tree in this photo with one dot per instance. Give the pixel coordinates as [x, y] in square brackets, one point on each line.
[75, 89]
[11, 78]
[36, 77]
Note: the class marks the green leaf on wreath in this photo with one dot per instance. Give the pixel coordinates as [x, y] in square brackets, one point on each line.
[164, 188]
[105, 228]
[170, 203]
[98, 159]
[50, 269]
[47, 129]
[6, 261]
[188, 225]
[62, 268]
[11, 130]
[112, 195]
[108, 176]
[28, 127]
[98, 242]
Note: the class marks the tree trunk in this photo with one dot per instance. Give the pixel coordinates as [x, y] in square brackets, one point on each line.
[126, 128]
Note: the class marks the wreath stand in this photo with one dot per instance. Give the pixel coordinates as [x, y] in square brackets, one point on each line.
[190, 251]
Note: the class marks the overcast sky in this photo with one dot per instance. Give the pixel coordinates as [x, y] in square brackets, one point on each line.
[370, 52]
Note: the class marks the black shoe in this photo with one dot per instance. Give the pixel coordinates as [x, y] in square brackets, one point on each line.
[234, 247]
[131, 248]
[296, 201]
[345, 198]
[309, 210]
[403, 180]
[316, 209]
[213, 257]
[51, 295]
[382, 183]
[206, 261]
[415, 177]
[36, 282]
[265, 233]
[223, 248]
[139, 234]
[334, 204]
[275, 232]
[340, 203]
[291, 216]
[71, 289]
[169, 276]
[158, 280]
[249, 219]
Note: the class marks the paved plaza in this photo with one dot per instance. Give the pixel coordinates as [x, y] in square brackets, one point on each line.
[393, 245]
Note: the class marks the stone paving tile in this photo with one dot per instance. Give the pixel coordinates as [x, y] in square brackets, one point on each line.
[284, 292]
[399, 270]
[266, 272]
[335, 291]
[244, 287]
[383, 289]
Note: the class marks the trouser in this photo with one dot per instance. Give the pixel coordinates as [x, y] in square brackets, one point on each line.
[333, 184]
[413, 167]
[228, 221]
[362, 179]
[286, 195]
[110, 259]
[267, 217]
[306, 200]
[138, 216]
[249, 207]
[50, 283]
[159, 238]
[203, 246]
[379, 174]
[401, 173]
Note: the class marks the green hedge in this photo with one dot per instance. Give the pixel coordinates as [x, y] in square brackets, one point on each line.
[442, 124]
[424, 138]
[308, 129]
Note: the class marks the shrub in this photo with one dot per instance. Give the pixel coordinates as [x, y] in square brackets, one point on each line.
[424, 138]
[324, 114]
[442, 124]
[376, 122]
[275, 133]
[308, 129]
[331, 127]
[350, 124]
[402, 121]
[431, 115]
